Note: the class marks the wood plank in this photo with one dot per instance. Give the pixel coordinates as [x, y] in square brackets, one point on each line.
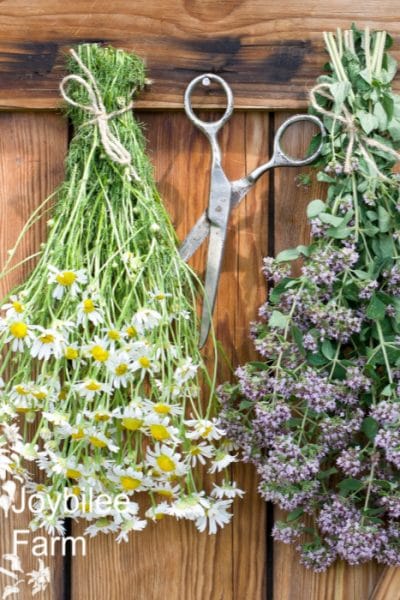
[32, 151]
[291, 580]
[269, 52]
[388, 585]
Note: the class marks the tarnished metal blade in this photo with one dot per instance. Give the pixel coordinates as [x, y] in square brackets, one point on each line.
[195, 237]
[214, 262]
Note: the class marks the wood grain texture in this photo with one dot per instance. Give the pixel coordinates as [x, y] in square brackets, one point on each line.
[388, 585]
[291, 580]
[269, 52]
[32, 151]
[172, 560]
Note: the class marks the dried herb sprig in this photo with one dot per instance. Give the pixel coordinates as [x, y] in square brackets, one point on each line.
[319, 416]
[101, 340]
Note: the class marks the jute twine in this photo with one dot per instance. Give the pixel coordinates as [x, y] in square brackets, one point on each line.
[111, 144]
[355, 134]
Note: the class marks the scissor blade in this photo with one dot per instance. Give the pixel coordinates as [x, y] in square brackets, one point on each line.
[214, 262]
[195, 237]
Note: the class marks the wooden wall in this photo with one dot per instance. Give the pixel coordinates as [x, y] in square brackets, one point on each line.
[270, 53]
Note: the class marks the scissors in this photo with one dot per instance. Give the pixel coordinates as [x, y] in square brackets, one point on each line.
[226, 195]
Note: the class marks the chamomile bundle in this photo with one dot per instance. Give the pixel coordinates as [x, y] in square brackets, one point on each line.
[102, 373]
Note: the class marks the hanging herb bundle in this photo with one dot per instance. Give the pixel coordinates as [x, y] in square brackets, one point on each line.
[100, 342]
[319, 416]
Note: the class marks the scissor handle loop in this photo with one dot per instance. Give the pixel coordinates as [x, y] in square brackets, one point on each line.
[208, 127]
[280, 158]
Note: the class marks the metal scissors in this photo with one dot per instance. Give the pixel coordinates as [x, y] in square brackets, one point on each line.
[224, 194]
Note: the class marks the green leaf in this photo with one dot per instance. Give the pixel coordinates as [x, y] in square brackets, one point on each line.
[350, 485]
[245, 404]
[370, 427]
[286, 255]
[278, 320]
[381, 116]
[314, 208]
[384, 219]
[367, 121]
[330, 219]
[328, 350]
[339, 91]
[295, 514]
[339, 233]
[376, 309]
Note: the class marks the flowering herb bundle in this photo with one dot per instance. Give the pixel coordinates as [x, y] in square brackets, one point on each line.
[319, 415]
[101, 367]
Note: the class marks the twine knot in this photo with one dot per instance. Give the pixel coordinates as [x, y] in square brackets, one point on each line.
[111, 144]
[353, 131]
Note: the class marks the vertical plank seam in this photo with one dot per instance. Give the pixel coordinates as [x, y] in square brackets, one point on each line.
[269, 546]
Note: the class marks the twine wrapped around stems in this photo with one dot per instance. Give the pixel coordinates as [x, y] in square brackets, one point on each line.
[354, 132]
[112, 145]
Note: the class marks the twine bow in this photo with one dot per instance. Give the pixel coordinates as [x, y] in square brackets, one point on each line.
[353, 131]
[111, 144]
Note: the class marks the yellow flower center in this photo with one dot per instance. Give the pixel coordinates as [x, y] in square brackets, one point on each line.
[19, 329]
[144, 362]
[18, 307]
[97, 442]
[159, 296]
[113, 334]
[22, 410]
[195, 450]
[207, 431]
[63, 394]
[21, 390]
[66, 278]
[159, 516]
[131, 331]
[165, 463]
[129, 483]
[99, 353]
[76, 490]
[131, 423]
[93, 386]
[47, 338]
[165, 493]
[162, 409]
[73, 474]
[78, 435]
[40, 394]
[159, 432]
[121, 369]
[70, 353]
[101, 416]
[88, 306]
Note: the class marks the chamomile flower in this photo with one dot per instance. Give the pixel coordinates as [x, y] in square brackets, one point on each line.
[20, 334]
[228, 489]
[215, 515]
[14, 308]
[158, 511]
[67, 280]
[189, 507]
[113, 337]
[98, 439]
[20, 391]
[221, 461]
[128, 525]
[146, 319]
[130, 480]
[203, 428]
[185, 372]
[119, 369]
[131, 417]
[72, 353]
[166, 489]
[89, 311]
[102, 525]
[199, 452]
[98, 350]
[165, 461]
[159, 296]
[163, 409]
[48, 342]
[160, 429]
[89, 388]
